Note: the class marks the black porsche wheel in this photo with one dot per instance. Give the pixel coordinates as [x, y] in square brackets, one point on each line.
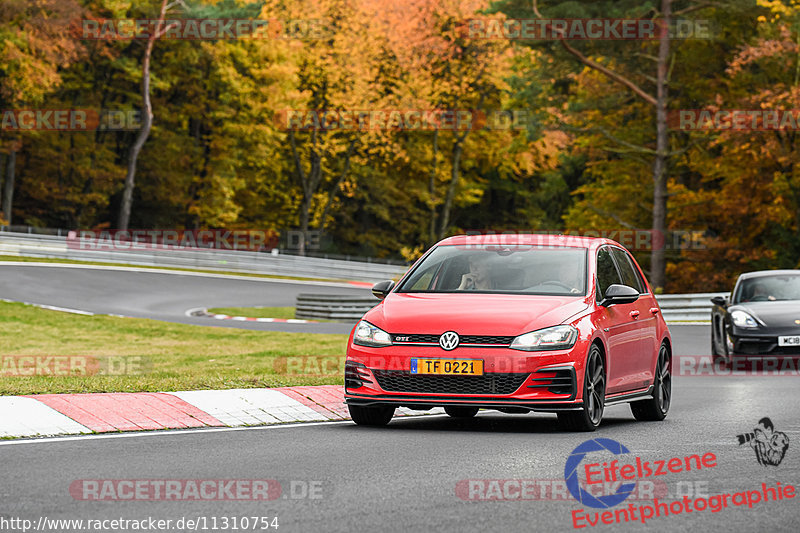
[378, 415]
[461, 412]
[656, 408]
[594, 396]
[715, 352]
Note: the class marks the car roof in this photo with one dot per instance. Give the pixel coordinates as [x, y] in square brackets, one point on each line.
[534, 239]
[765, 273]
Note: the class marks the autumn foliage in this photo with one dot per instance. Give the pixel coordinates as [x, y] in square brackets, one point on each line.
[579, 158]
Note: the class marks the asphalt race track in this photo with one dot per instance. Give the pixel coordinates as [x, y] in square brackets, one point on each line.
[163, 296]
[404, 478]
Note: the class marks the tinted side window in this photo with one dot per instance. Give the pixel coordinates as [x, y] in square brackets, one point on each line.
[606, 272]
[627, 270]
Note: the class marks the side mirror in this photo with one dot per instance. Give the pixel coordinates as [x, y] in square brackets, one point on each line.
[382, 288]
[619, 294]
[720, 301]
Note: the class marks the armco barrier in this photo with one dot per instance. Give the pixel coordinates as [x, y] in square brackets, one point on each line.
[676, 308]
[333, 307]
[48, 246]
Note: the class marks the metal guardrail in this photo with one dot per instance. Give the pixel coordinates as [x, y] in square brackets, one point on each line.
[49, 247]
[676, 308]
[333, 307]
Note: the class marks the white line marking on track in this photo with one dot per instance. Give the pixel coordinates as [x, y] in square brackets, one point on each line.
[174, 432]
[52, 307]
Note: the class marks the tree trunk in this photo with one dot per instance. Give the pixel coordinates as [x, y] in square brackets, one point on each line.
[657, 258]
[309, 182]
[144, 132]
[432, 190]
[455, 174]
[2, 172]
[8, 186]
[333, 190]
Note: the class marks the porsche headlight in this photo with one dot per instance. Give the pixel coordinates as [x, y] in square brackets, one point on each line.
[743, 320]
[368, 335]
[555, 338]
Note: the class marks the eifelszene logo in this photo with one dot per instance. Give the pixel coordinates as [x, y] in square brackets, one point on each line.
[616, 473]
[770, 445]
[573, 483]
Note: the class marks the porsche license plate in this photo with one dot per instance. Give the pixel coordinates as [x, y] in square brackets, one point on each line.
[792, 340]
[450, 367]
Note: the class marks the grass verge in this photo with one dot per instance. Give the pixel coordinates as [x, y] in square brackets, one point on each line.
[136, 355]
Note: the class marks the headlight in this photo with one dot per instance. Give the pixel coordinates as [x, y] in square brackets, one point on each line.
[368, 335]
[743, 320]
[555, 338]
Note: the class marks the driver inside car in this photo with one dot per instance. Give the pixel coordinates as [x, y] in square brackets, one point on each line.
[478, 278]
[761, 294]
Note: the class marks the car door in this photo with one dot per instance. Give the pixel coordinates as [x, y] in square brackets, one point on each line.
[644, 315]
[619, 325]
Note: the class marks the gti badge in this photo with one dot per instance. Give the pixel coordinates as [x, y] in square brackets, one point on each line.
[448, 340]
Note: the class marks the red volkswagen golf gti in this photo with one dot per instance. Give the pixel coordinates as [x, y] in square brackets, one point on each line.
[531, 323]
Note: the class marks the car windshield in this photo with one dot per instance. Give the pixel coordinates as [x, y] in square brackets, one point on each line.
[769, 289]
[500, 269]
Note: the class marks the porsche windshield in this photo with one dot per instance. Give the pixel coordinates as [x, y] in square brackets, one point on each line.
[500, 269]
[769, 289]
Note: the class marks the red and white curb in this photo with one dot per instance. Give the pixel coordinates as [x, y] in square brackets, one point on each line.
[70, 414]
[206, 313]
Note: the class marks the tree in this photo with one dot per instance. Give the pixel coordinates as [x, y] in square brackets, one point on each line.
[35, 44]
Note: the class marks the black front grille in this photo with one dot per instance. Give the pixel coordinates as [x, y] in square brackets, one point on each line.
[485, 339]
[401, 381]
[418, 338]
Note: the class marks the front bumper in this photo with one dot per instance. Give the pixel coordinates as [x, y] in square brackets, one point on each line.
[513, 380]
[762, 341]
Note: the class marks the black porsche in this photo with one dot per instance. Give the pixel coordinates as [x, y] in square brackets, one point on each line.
[761, 318]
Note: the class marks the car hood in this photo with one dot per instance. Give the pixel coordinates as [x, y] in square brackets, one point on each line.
[473, 314]
[780, 314]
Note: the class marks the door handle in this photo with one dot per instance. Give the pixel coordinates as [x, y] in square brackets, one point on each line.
[634, 314]
[654, 310]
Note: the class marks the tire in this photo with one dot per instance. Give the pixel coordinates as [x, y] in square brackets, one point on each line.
[461, 412]
[715, 355]
[594, 396]
[656, 408]
[378, 415]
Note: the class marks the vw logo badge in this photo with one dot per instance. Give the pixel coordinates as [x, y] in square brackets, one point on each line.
[449, 340]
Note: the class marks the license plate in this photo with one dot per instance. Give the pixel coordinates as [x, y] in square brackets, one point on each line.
[789, 341]
[450, 367]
